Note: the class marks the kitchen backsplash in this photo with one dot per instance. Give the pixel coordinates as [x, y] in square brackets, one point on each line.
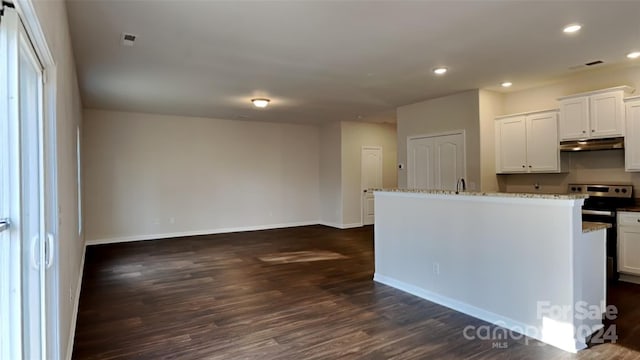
[605, 166]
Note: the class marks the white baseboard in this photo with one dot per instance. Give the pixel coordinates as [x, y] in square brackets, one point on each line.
[340, 226]
[630, 278]
[196, 232]
[76, 305]
[350, 226]
[569, 344]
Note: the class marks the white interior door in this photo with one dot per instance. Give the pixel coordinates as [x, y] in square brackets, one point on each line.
[421, 163]
[371, 176]
[435, 161]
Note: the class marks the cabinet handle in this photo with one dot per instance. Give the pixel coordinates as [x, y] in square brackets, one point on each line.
[593, 130]
[584, 132]
[638, 220]
[523, 166]
[529, 165]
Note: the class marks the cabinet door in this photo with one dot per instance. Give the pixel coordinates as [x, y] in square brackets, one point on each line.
[574, 118]
[606, 115]
[629, 250]
[511, 149]
[632, 138]
[543, 154]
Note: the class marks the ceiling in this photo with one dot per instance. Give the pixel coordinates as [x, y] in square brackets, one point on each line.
[322, 61]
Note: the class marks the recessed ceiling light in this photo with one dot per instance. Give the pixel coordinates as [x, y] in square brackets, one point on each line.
[506, 84]
[261, 103]
[572, 28]
[634, 55]
[440, 70]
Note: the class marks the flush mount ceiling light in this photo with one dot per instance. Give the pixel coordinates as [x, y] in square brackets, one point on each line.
[634, 55]
[261, 102]
[572, 28]
[440, 70]
[506, 84]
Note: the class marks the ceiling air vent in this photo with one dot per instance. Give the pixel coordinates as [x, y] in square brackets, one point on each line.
[128, 39]
[597, 62]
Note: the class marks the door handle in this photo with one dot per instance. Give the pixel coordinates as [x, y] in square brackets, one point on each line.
[49, 251]
[5, 224]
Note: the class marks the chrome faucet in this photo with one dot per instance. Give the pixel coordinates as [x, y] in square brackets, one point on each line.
[459, 184]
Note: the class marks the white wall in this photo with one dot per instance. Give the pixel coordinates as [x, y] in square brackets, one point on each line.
[491, 104]
[502, 256]
[585, 167]
[331, 174]
[455, 112]
[544, 97]
[52, 15]
[355, 135]
[149, 176]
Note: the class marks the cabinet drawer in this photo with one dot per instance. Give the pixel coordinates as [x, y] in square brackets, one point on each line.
[629, 218]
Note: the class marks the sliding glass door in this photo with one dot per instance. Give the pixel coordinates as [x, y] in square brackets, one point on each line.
[34, 259]
[25, 252]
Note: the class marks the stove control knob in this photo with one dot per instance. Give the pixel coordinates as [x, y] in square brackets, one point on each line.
[624, 191]
[573, 188]
[580, 188]
[617, 190]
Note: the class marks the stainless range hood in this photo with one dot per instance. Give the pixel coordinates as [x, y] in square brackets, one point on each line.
[593, 144]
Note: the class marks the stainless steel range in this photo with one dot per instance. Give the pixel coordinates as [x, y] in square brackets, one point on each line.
[602, 206]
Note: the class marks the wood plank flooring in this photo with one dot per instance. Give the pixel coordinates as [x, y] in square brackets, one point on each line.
[211, 297]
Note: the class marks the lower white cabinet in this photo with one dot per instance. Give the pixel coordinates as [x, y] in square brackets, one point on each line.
[629, 243]
[632, 137]
[528, 143]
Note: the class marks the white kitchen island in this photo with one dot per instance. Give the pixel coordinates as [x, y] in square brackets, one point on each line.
[521, 261]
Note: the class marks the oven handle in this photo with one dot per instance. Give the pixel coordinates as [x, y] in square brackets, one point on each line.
[599, 213]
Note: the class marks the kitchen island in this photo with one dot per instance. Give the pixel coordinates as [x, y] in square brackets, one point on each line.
[521, 261]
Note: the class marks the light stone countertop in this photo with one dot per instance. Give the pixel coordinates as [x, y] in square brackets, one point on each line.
[496, 194]
[589, 226]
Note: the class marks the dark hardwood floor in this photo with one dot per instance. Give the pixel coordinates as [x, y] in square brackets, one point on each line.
[212, 297]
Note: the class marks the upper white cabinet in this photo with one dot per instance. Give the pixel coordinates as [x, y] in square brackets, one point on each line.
[511, 144]
[632, 138]
[574, 118]
[597, 114]
[527, 143]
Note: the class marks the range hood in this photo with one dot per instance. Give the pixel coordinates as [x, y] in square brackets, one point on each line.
[593, 144]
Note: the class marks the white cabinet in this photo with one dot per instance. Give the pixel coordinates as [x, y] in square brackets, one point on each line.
[632, 138]
[511, 145]
[528, 143]
[543, 154]
[597, 114]
[574, 118]
[629, 243]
